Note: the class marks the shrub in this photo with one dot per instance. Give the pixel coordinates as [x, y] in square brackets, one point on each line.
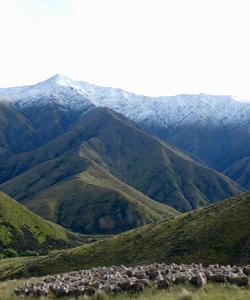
[9, 252]
[29, 253]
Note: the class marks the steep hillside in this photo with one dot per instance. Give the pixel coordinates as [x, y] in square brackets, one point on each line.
[240, 172]
[27, 129]
[94, 201]
[217, 146]
[63, 176]
[16, 132]
[20, 229]
[219, 233]
[123, 150]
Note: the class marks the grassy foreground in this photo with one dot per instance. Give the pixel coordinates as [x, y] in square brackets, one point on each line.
[210, 292]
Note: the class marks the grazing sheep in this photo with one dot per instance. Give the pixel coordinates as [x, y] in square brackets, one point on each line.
[219, 277]
[163, 284]
[181, 278]
[246, 270]
[119, 279]
[199, 280]
[241, 280]
[125, 285]
[137, 287]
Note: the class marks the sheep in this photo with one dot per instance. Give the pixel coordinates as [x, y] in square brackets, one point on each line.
[118, 279]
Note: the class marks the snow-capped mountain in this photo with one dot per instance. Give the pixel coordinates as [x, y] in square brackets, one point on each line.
[164, 111]
[213, 129]
[57, 89]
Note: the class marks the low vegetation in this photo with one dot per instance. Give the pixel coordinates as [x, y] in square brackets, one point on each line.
[210, 292]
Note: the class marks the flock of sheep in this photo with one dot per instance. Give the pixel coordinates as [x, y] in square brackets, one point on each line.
[119, 279]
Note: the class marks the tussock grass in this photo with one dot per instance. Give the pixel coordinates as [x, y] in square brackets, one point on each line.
[186, 295]
[210, 292]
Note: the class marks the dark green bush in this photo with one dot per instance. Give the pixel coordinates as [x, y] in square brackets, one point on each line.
[29, 253]
[9, 252]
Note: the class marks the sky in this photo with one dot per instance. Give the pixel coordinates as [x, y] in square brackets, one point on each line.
[152, 47]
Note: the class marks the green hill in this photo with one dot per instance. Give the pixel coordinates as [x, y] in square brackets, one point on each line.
[219, 233]
[94, 201]
[22, 230]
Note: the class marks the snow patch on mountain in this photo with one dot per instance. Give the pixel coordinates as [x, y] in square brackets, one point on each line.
[158, 111]
[57, 89]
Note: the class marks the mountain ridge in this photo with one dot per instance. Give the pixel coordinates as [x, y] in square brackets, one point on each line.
[218, 118]
[125, 151]
[113, 97]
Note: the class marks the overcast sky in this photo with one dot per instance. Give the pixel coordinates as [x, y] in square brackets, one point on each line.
[152, 47]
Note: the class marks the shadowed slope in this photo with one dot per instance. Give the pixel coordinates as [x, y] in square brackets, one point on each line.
[240, 172]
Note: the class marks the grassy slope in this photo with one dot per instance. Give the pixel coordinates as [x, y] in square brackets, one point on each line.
[23, 230]
[125, 151]
[240, 172]
[219, 233]
[104, 204]
[156, 169]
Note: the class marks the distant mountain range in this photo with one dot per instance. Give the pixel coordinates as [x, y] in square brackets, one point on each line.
[75, 162]
[213, 129]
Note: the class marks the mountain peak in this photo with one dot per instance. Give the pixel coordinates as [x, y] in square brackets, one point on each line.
[58, 79]
[161, 111]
